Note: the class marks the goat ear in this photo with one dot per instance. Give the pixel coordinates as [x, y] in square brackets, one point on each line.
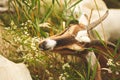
[95, 23]
[72, 22]
[99, 43]
[62, 32]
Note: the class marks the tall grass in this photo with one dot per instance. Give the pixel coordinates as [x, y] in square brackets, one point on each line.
[38, 12]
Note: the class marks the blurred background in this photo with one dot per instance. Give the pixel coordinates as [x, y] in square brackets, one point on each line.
[112, 3]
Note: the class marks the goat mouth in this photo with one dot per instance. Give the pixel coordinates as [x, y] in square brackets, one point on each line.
[48, 44]
[43, 48]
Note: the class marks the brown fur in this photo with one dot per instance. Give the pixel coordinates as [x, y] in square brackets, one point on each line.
[68, 45]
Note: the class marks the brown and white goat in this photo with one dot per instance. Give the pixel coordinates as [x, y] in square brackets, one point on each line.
[73, 41]
[109, 29]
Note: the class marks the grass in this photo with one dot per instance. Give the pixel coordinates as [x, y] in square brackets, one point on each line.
[35, 20]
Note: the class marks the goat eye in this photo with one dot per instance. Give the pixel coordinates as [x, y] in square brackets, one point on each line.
[73, 22]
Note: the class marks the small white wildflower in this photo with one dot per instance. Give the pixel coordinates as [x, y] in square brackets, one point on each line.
[33, 46]
[47, 71]
[29, 4]
[26, 32]
[25, 27]
[28, 56]
[61, 74]
[37, 60]
[35, 39]
[110, 62]
[62, 77]
[33, 43]
[21, 28]
[65, 66]
[36, 75]
[25, 2]
[117, 73]
[25, 23]
[20, 48]
[29, 21]
[36, 50]
[51, 66]
[26, 41]
[12, 23]
[17, 38]
[66, 74]
[46, 25]
[22, 24]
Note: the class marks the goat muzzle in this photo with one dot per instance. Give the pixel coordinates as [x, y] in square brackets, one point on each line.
[42, 46]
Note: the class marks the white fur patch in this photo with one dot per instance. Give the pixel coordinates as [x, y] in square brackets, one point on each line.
[82, 36]
[50, 43]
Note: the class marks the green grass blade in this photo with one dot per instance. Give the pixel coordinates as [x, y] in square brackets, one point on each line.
[94, 71]
[49, 11]
[81, 76]
[89, 68]
[75, 4]
[117, 47]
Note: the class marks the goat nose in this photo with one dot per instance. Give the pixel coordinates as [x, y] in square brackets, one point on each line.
[48, 44]
[42, 45]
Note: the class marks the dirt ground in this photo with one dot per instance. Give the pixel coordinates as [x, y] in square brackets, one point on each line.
[5, 47]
